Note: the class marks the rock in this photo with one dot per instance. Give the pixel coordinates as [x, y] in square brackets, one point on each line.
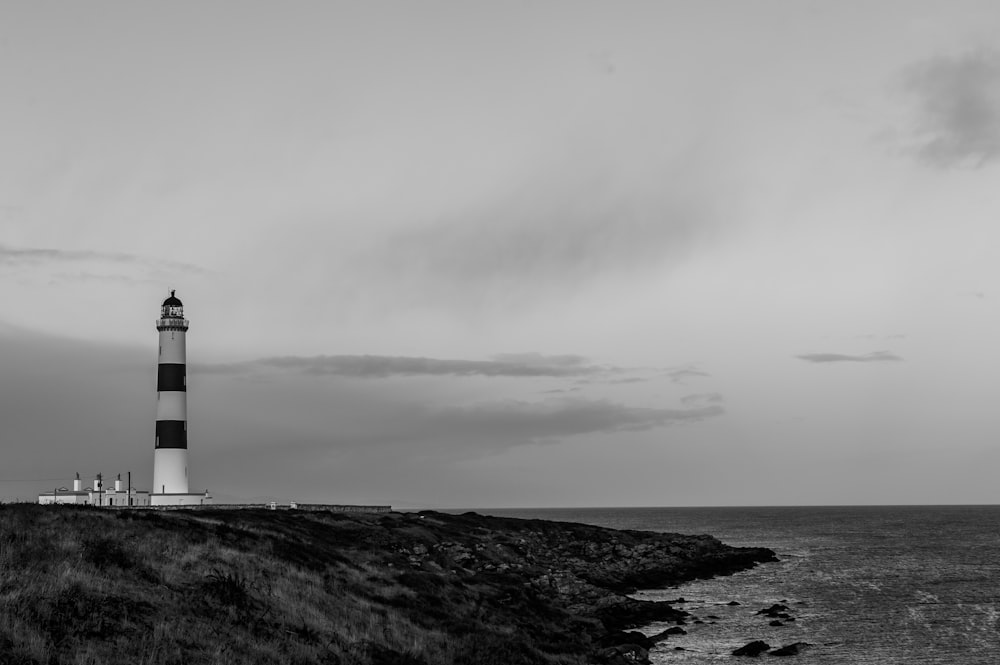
[732, 603]
[623, 654]
[752, 649]
[620, 638]
[712, 616]
[774, 610]
[659, 637]
[664, 634]
[791, 649]
[776, 622]
[777, 607]
[619, 613]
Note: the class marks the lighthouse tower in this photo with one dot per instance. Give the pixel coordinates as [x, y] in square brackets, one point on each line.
[170, 457]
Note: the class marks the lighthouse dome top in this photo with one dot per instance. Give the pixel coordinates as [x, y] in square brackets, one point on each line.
[173, 300]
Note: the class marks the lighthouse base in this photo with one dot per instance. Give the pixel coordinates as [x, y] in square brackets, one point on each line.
[203, 499]
[170, 471]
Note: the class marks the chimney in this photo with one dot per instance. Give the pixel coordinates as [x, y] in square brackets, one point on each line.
[118, 483]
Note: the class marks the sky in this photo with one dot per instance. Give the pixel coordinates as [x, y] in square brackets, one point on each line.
[456, 254]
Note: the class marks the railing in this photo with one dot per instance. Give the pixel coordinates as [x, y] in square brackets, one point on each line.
[171, 324]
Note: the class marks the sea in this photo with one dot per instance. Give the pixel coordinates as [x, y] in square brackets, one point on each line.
[885, 585]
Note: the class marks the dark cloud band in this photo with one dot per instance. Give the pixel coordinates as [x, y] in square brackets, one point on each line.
[366, 366]
[15, 255]
[877, 356]
[489, 427]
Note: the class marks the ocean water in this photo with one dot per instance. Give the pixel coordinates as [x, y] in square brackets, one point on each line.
[885, 585]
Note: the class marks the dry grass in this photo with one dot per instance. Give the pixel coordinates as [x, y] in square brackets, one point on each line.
[90, 586]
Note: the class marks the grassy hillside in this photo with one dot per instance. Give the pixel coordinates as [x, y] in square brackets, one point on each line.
[87, 585]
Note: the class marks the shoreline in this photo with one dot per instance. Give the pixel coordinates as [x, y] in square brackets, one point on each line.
[602, 566]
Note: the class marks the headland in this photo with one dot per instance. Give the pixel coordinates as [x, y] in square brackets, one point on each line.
[265, 586]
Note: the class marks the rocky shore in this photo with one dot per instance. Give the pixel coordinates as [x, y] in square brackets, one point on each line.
[586, 571]
[259, 586]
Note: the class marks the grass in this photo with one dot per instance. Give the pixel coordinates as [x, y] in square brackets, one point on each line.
[89, 586]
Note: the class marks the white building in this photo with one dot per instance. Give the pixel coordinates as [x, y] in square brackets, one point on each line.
[98, 495]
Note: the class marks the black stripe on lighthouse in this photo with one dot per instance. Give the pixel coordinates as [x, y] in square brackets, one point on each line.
[171, 377]
[171, 434]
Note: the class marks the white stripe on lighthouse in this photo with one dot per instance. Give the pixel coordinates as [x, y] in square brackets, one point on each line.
[170, 471]
[172, 346]
[171, 405]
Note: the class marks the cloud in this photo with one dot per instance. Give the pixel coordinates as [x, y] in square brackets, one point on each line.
[84, 276]
[488, 426]
[614, 381]
[418, 423]
[882, 337]
[530, 245]
[679, 374]
[538, 359]
[701, 399]
[366, 366]
[534, 250]
[877, 356]
[47, 255]
[958, 108]
[534, 421]
[40, 255]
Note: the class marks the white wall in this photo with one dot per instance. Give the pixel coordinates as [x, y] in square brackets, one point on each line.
[170, 471]
[171, 405]
[179, 499]
[172, 346]
[48, 499]
[95, 498]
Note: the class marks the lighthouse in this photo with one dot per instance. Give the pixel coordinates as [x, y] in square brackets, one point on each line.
[170, 456]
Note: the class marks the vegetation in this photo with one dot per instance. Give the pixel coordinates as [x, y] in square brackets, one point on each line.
[92, 586]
